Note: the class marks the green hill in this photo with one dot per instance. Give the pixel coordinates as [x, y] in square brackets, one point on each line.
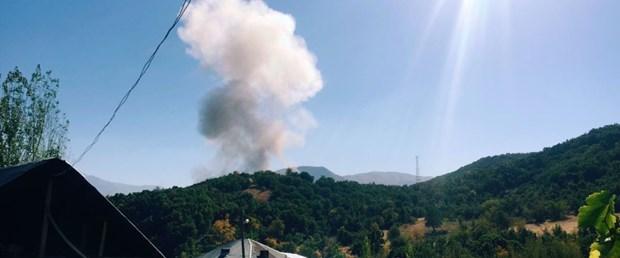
[539, 185]
[296, 213]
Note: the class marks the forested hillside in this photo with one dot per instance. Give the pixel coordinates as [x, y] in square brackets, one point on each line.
[288, 209]
[536, 186]
[483, 199]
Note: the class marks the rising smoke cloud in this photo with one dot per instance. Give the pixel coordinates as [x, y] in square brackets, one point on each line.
[267, 72]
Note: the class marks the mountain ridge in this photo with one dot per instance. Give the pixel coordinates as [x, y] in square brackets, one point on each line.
[387, 178]
[371, 177]
[107, 187]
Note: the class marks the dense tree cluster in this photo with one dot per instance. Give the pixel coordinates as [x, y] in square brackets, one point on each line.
[299, 213]
[536, 186]
[324, 218]
[32, 127]
[481, 239]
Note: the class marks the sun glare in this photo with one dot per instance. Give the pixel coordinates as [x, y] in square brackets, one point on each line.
[469, 27]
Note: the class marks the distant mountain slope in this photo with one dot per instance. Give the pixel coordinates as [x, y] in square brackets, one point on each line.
[376, 177]
[315, 171]
[110, 188]
[386, 178]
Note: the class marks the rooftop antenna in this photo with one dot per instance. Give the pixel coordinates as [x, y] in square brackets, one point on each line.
[417, 169]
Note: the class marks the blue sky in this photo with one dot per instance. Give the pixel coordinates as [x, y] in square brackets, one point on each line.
[449, 82]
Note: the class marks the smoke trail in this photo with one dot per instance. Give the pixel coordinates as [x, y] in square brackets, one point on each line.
[267, 72]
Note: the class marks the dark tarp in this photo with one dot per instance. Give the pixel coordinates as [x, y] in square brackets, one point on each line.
[78, 216]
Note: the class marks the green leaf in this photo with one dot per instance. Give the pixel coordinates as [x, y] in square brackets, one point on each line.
[598, 212]
[615, 250]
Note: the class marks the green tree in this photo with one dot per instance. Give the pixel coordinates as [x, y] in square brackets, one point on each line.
[276, 228]
[393, 233]
[399, 247]
[493, 211]
[366, 249]
[376, 238]
[31, 124]
[344, 236]
[433, 218]
[331, 249]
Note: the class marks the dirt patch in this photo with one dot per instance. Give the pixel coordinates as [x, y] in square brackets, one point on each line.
[259, 195]
[347, 252]
[568, 225]
[415, 230]
[449, 226]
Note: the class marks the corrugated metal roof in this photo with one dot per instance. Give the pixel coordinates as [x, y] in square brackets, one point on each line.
[22, 189]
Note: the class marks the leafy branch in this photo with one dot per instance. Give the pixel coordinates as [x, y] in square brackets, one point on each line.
[598, 213]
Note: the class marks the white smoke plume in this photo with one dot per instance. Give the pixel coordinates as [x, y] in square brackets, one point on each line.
[267, 72]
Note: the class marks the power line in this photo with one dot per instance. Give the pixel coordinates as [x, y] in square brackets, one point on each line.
[145, 68]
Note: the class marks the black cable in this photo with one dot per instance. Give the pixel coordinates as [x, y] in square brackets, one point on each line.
[145, 68]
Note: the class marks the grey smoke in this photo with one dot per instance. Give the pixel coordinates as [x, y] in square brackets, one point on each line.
[230, 116]
[267, 72]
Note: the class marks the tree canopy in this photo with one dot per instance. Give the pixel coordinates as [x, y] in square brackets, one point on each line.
[294, 213]
[32, 127]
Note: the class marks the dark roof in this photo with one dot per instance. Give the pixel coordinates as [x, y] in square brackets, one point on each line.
[77, 208]
[11, 173]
